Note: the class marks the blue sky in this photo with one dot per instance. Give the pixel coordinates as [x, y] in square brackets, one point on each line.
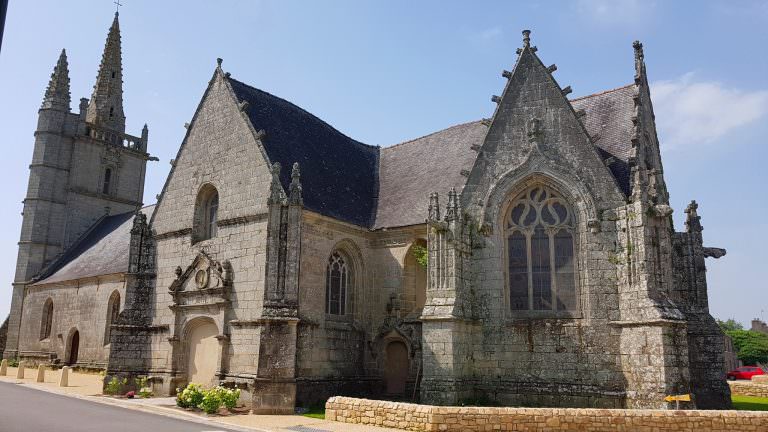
[385, 72]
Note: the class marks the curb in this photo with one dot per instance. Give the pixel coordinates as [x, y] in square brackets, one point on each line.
[153, 409]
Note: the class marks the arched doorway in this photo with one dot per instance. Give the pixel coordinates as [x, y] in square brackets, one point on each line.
[202, 352]
[396, 367]
[74, 347]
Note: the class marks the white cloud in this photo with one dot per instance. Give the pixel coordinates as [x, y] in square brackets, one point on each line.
[616, 11]
[691, 112]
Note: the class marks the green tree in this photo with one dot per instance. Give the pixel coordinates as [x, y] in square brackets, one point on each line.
[752, 346]
[730, 324]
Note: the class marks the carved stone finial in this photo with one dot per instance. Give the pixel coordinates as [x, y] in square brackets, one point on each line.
[452, 209]
[178, 272]
[276, 194]
[219, 61]
[693, 220]
[434, 207]
[295, 186]
[526, 38]
[639, 62]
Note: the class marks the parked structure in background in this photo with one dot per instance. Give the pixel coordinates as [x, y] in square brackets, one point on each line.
[528, 258]
[759, 325]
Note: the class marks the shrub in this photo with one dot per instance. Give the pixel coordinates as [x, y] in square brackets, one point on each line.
[115, 385]
[211, 402]
[229, 397]
[13, 363]
[190, 397]
[141, 386]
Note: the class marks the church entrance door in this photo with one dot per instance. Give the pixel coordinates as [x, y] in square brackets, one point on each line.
[396, 367]
[74, 347]
[203, 354]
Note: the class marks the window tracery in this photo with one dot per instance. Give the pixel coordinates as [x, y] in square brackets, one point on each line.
[336, 284]
[540, 252]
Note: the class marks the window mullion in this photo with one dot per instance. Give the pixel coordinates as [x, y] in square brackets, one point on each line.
[530, 269]
[552, 271]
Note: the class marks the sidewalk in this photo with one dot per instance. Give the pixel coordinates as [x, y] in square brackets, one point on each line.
[88, 387]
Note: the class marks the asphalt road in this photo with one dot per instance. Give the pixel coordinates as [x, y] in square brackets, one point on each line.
[28, 410]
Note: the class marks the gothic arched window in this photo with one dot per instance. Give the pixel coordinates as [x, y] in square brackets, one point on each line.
[337, 282]
[206, 213]
[107, 181]
[539, 230]
[47, 320]
[113, 310]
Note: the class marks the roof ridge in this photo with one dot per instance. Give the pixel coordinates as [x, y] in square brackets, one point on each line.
[325, 123]
[429, 134]
[601, 93]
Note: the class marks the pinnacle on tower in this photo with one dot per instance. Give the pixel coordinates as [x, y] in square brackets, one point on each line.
[57, 94]
[106, 104]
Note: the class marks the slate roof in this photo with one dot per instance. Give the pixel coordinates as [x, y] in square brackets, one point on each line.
[361, 184]
[410, 171]
[339, 175]
[102, 250]
[609, 122]
[389, 187]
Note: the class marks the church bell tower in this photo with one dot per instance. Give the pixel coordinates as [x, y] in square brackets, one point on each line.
[84, 167]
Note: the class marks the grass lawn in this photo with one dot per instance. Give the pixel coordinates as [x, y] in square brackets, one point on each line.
[750, 403]
[319, 413]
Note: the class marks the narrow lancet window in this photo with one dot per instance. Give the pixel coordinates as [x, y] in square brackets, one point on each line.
[206, 214]
[105, 186]
[336, 284]
[47, 320]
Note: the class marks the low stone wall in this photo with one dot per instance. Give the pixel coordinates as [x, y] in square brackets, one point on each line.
[749, 388]
[433, 418]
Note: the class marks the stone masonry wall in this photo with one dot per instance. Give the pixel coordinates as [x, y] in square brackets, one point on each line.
[346, 354]
[467, 419]
[80, 306]
[747, 388]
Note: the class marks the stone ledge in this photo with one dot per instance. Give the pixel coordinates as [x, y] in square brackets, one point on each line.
[437, 418]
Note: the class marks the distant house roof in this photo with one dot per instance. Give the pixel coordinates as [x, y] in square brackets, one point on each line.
[102, 250]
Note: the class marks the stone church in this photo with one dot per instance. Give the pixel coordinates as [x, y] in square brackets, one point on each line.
[524, 259]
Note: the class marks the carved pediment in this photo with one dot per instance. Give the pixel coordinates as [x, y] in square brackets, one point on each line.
[203, 273]
[205, 282]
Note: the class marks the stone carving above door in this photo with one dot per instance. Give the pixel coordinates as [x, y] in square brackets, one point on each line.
[205, 282]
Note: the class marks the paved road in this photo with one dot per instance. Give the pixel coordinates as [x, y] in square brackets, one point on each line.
[23, 409]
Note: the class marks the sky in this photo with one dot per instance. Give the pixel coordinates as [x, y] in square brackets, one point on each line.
[389, 71]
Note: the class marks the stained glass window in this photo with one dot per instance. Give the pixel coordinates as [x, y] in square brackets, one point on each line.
[336, 284]
[540, 251]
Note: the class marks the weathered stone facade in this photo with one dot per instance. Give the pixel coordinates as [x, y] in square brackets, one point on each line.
[295, 263]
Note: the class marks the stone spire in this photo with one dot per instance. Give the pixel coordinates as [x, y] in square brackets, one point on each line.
[106, 105]
[57, 93]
